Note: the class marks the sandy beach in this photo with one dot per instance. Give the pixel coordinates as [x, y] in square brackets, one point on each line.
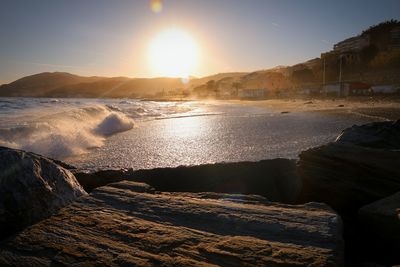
[379, 109]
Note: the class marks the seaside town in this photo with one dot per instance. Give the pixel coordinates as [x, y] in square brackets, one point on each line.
[187, 133]
[363, 65]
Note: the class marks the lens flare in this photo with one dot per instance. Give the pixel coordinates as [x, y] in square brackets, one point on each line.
[156, 6]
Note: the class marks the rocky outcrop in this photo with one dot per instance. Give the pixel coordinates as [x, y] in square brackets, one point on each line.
[359, 168]
[379, 224]
[117, 226]
[383, 135]
[347, 177]
[275, 179]
[32, 188]
[382, 218]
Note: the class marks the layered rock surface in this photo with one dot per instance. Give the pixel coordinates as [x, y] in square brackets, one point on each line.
[360, 167]
[382, 218]
[360, 170]
[116, 225]
[347, 176]
[275, 179]
[32, 188]
[382, 135]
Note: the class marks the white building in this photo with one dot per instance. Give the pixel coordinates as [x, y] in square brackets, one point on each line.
[385, 89]
[336, 89]
[352, 44]
[252, 93]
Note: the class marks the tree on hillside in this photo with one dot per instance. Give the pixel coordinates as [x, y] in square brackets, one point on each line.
[381, 27]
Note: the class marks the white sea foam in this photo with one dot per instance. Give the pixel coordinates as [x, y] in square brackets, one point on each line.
[69, 132]
[114, 123]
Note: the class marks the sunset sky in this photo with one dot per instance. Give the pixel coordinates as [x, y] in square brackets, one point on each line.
[126, 38]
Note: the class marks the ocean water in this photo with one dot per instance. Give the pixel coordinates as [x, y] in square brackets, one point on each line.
[120, 133]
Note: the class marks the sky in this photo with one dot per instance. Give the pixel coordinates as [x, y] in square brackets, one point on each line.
[112, 38]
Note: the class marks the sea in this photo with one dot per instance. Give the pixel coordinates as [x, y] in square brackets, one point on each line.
[94, 134]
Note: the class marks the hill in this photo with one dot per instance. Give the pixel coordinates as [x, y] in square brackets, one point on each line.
[42, 83]
[61, 84]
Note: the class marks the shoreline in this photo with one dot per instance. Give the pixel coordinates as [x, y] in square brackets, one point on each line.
[374, 108]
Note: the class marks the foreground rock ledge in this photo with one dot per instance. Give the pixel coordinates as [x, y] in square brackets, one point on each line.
[32, 187]
[117, 226]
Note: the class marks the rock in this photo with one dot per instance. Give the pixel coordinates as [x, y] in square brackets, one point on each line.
[359, 168]
[380, 223]
[239, 198]
[383, 135]
[275, 179]
[347, 177]
[116, 226]
[32, 188]
[382, 218]
[136, 187]
[93, 179]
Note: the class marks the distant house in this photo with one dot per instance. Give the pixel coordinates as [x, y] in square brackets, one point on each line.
[253, 93]
[332, 89]
[346, 89]
[385, 89]
[311, 91]
[358, 88]
[395, 38]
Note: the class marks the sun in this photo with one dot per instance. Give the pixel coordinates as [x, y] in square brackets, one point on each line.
[173, 53]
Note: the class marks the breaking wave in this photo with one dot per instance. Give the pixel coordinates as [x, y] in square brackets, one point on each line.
[69, 132]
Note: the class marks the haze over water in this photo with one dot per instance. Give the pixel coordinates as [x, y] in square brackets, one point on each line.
[116, 133]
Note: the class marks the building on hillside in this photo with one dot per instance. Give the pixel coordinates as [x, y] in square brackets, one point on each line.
[350, 57]
[310, 91]
[346, 89]
[385, 89]
[358, 88]
[331, 89]
[253, 93]
[356, 44]
[395, 38]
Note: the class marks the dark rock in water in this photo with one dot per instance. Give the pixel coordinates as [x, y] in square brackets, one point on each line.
[347, 177]
[116, 226]
[275, 179]
[91, 180]
[32, 188]
[63, 164]
[383, 135]
[361, 167]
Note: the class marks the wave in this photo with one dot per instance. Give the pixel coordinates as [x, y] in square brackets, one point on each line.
[70, 132]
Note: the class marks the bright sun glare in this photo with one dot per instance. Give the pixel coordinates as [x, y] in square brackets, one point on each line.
[173, 53]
